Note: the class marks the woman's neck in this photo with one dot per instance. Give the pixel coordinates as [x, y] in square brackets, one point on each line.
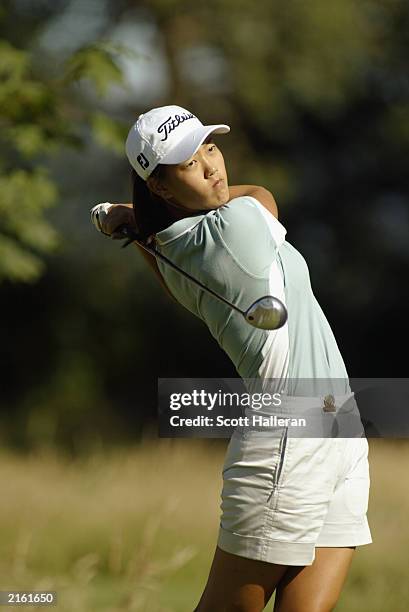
[180, 212]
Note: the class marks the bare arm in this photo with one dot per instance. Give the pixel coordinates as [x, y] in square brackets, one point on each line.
[261, 194]
[153, 264]
[121, 214]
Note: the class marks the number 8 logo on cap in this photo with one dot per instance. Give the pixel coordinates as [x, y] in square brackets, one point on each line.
[142, 161]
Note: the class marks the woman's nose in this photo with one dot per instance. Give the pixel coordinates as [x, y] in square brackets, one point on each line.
[210, 170]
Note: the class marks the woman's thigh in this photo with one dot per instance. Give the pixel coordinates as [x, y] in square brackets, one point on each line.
[236, 583]
[315, 587]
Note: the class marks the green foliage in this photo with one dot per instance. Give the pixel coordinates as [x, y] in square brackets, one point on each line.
[24, 100]
[17, 263]
[13, 65]
[29, 125]
[23, 198]
[311, 53]
[109, 133]
[37, 119]
[94, 62]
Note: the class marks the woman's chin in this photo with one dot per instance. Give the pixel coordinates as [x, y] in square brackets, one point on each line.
[222, 199]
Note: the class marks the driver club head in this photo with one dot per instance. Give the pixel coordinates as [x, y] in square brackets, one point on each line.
[267, 312]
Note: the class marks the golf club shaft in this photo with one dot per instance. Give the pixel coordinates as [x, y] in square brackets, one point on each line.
[133, 237]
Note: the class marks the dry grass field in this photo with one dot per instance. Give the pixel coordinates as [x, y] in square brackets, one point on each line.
[135, 530]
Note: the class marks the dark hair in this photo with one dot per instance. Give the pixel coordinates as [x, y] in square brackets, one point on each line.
[151, 212]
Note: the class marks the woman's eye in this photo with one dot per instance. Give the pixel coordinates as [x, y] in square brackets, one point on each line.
[212, 148]
[189, 164]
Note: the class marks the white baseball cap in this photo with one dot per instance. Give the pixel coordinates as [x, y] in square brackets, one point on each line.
[166, 135]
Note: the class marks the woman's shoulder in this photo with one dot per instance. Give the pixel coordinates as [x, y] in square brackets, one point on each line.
[246, 218]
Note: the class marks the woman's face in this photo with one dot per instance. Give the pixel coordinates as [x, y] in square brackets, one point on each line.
[199, 183]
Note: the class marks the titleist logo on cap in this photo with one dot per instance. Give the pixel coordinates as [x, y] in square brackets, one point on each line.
[172, 123]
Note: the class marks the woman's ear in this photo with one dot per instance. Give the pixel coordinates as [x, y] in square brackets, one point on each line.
[155, 185]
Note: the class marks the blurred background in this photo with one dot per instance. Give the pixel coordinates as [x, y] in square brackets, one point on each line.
[316, 95]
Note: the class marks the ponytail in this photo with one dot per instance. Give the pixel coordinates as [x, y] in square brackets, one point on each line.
[150, 210]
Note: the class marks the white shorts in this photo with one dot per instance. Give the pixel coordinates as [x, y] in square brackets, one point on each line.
[283, 496]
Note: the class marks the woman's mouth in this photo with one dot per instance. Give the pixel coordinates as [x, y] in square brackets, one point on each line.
[218, 183]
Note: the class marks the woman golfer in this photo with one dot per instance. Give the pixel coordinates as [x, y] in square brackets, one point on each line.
[293, 508]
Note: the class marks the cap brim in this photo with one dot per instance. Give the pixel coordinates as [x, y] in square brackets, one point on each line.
[190, 144]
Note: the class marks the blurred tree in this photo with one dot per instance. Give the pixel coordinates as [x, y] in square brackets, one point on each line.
[29, 126]
[37, 118]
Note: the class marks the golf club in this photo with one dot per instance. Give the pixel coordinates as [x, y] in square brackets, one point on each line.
[268, 312]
